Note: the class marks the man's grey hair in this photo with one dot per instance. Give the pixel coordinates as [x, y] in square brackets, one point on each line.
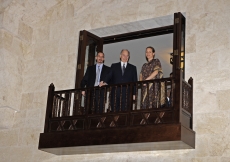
[125, 50]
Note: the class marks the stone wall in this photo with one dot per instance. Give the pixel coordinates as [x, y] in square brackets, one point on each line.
[39, 47]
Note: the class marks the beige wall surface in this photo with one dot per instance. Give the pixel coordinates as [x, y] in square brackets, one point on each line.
[38, 46]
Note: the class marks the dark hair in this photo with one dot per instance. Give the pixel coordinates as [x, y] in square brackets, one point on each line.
[100, 52]
[153, 50]
[125, 50]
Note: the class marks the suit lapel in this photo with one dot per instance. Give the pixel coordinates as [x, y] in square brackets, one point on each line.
[94, 71]
[119, 68]
[102, 71]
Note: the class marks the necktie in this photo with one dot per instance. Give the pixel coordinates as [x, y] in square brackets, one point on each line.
[123, 69]
[97, 77]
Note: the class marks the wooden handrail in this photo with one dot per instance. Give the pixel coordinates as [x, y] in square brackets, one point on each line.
[111, 85]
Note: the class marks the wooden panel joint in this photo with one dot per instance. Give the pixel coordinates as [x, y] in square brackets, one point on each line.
[79, 66]
[81, 38]
[175, 52]
[177, 20]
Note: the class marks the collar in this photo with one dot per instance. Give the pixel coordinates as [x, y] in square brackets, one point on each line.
[99, 65]
[149, 62]
[123, 63]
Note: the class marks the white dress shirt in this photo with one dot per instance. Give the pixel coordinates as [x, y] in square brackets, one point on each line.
[123, 63]
[100, 65]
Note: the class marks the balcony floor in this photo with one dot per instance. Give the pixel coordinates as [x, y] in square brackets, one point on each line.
[127, 139]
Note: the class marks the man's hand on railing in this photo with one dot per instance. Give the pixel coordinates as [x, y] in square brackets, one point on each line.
[134, 97]
[83, 93]
[102, 84]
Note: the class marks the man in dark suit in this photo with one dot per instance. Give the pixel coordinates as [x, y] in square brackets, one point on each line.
[94, 74]
[121, 72]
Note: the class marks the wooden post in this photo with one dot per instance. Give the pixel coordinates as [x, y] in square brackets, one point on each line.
[49, 107]
[177, 96]
[190, 81]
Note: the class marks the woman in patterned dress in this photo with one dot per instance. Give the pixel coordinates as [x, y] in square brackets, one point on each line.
[151, 70]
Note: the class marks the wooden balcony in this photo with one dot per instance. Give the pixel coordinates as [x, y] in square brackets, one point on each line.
[75, 124]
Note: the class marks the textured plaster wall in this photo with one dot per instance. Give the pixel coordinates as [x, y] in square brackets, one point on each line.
[39, 42]
[15, 40]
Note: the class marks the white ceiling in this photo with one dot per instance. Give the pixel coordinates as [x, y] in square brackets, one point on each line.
[133, 26]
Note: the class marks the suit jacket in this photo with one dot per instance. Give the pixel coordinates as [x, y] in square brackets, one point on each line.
[89, 78]
[115, 75]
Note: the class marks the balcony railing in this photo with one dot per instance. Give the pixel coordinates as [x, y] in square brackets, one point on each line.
[160, 105]
[70, 110]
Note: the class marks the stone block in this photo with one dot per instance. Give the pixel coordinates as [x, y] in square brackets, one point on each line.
[22, 153]
[210, 123]
[208, 40]
[25, 31]
[7, 115]
[9, 137]
[223, 100]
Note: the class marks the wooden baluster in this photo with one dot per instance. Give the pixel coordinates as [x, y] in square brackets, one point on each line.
[59, 105]
[88, 101]
[109, 108]
[87, 107]
[74, 103]
[65, 104]
[56, 107]
[126, 97]
[186, 94]
[142, 94]
[79, 96]
[154, 95]
[130, 104]
[77, 103]
[85, 111]
[136, 97]
[158, 93]
[93, 107]
[69, 103]
[98, 101]
[166, 92]
[183, 96]
[115, 99]
[105, 97]
[120, 97]
[186, 97]
[147, 105]
[172, 92]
